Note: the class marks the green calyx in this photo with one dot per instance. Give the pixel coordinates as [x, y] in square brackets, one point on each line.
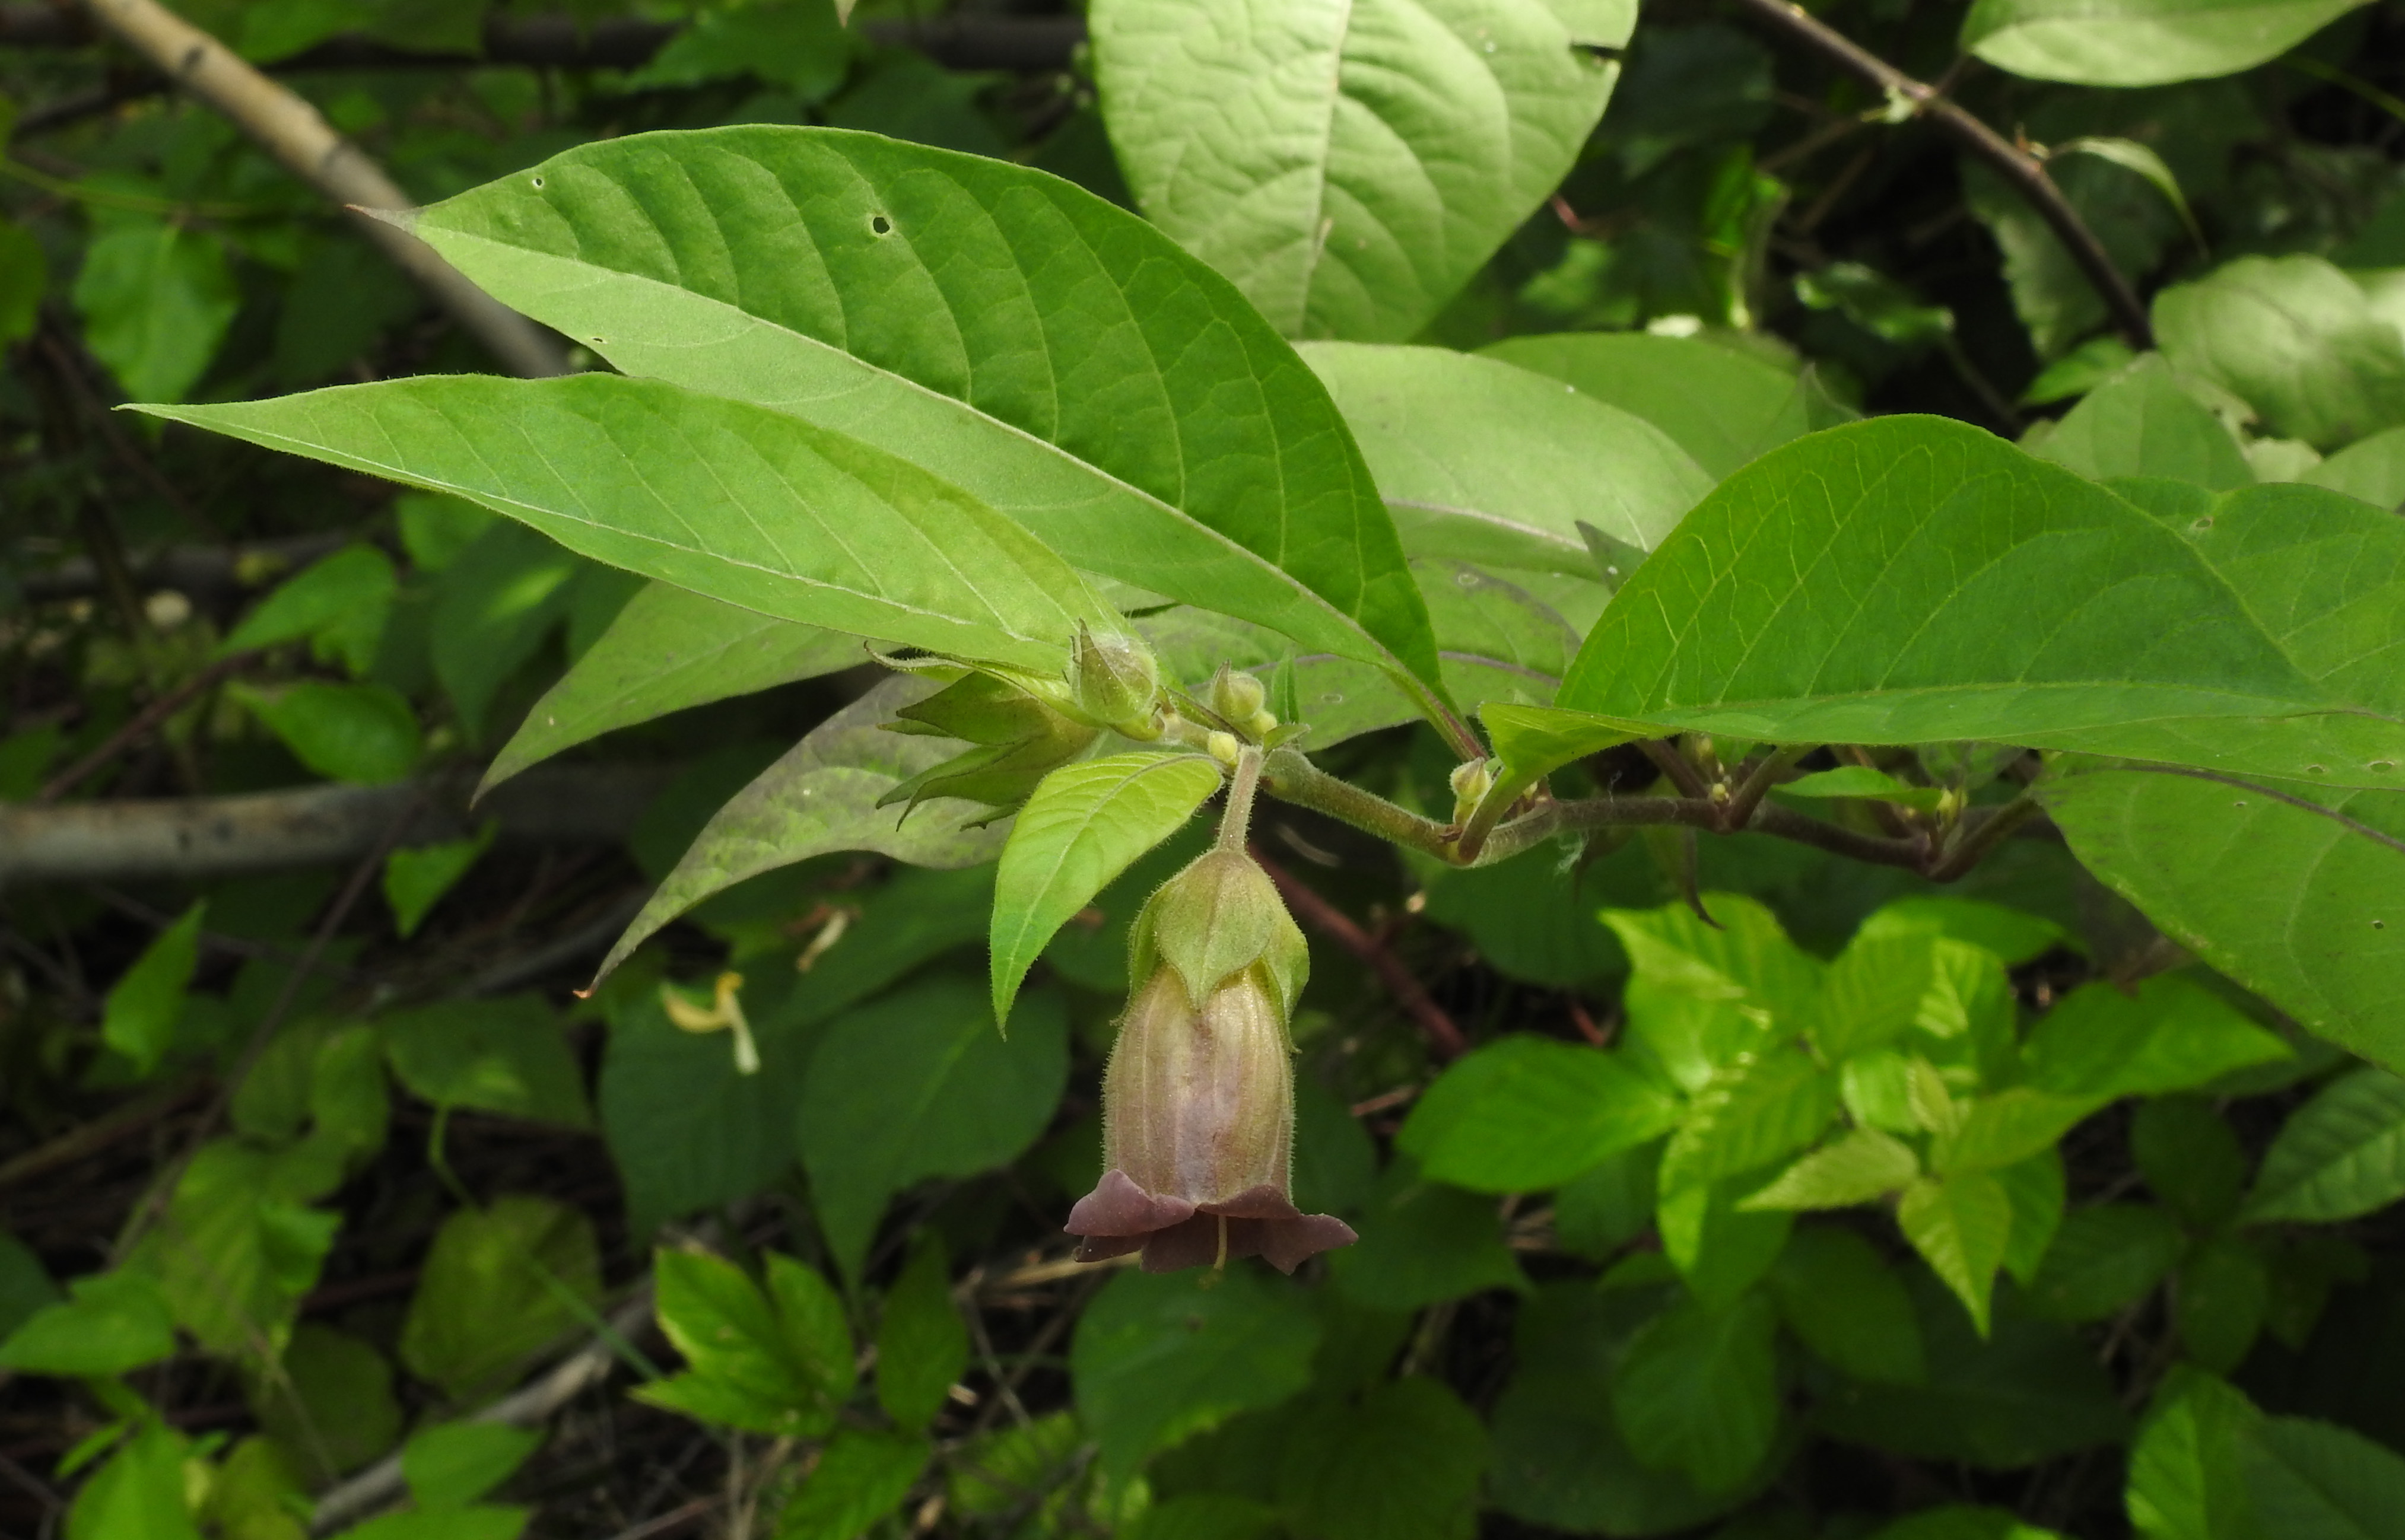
[1115, 682]
[1214, 921]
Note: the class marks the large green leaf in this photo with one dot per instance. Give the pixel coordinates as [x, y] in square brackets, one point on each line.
[2140, 42]
[1485, 462]
[1083, 826]
[2373, 470]
[1528, 1113]
[1009, 333]
[2293, 896]
[668, 649]
[918, 1085]
[823, 795]
[2141, 423]
[2168, 1033]
[1699, 1391]
[2340, 1155]
[2315, 1480]
[729, 499]
[2295, 338]
[1836, 1295]
[2187, 1478]
[1350, 163]
[1912, 580]
[1722, 404]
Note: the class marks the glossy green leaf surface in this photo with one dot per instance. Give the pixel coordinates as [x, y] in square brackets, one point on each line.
[1349, 165]
[1083, 827]
[1960, 1225]
[1721, 404]
[1910, 580]
[2140, 42]
[1005, 330]
[723, 497]
[2340, 1155]
[2292, 896]
[669, 649]
[1483, 461]
[2187, 1477]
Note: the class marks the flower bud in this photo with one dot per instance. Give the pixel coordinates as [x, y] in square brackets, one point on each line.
[1471, 781]
[1236, 695]
[1198, 1102]
[1115, 682]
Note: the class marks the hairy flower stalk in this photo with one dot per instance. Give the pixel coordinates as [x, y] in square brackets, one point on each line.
[1198, 1102]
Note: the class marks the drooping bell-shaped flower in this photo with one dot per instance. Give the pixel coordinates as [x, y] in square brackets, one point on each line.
[1198, 1102]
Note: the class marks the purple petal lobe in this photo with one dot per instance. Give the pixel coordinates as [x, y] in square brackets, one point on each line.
[1117, 1207]
[1285, 1242]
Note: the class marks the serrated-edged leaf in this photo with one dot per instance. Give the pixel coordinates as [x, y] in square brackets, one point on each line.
[2170, 1033]
[2140, 42]
[1960, 1225]
[1485, 462]
[2315, 1480]
[1723, 405]
[2291, 895]
[2038, 1189]
[668, 649]
[1909, 580]
[1835, 1292]
[1083, 826]
[775, 1361]
[1697, 1391]
[1703, 994]
[995, 326]
[1349, 165]
[1991, 1132]
[730, 499]
[2340, 1155]
[1528, 1114]
[823, 795]
[1756, 1108]
[1859, 1168]
[2103, 1259]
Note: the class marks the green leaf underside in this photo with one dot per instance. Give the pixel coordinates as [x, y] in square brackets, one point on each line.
[1910, 580]
[723, 498]
[1483, 461]
[1350, 165]
[1008, 331]
[1721, 405]
[1083, 827]
[822, 796]
[2294, 896]
[2140, 42]
[668, 649]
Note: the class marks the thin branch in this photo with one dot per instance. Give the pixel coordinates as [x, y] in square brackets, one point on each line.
[1334, 923]
[2023, 170]
[292, 131]
[1289, 777]
[159, 708]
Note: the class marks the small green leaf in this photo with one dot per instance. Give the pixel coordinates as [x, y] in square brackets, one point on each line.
[1702, 994]
[2190, 1156]
[921, 1344]
[2187, 1479]
[1423, 1242]
[2131, 155]
[361, 732]
[452, 1464]
[110, 1323]
[1755, 1108]
[415, 880]
[503, 1056]
[2141, 423]
[1959, 1226]
[1699, 1391]
[1860, 780]
[329, 1403]
[776, 1362]
[918, 1084]
[824, 795]
[139, 1017]
[1719, 1249]
[156, 299]
[1528, 1114]
[2313, 1480]
[1835, 1293]
[1156, 1360]
[1083, 826]
[2105, 1258]
[1991, 1132]
[860, 1477]
[2219, 1299]
[489, 1293]
[2340, 1155]
[1861, 1167]
[2038, 1191]
[139, 1494]
[669, 649]
[339, 603]
[236, 1250]
[2139, 42]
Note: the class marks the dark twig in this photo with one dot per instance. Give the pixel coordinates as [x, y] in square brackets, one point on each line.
[2024, 171]
[100, 1132]
[159, 708]
[1407, 990]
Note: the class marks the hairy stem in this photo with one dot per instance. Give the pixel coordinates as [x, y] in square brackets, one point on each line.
[1291, 777]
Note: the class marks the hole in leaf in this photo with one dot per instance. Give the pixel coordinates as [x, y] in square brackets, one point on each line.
[2380, 767]
[538, 184]
[2315, 770]
[2206, 523]
[879, 225]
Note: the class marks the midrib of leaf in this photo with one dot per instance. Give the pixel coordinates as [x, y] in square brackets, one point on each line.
[1035, 651]
[1368, 649]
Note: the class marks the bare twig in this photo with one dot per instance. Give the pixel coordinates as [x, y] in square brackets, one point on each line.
[291, 130]
[2022, 170]
[159, 708]
[100, 1132]
[382, 1482]
[1407, 990]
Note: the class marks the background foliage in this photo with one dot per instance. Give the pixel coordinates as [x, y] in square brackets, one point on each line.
[2062, 1202]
